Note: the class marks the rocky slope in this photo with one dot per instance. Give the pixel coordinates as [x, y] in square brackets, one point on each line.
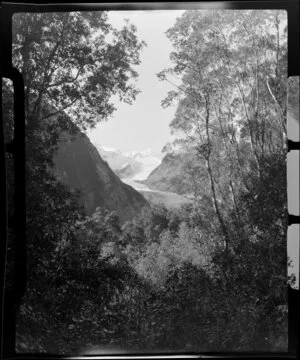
[171, 175]
[79, 165]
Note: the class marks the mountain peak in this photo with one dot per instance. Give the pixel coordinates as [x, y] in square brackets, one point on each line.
[130, 164]
[139, 154]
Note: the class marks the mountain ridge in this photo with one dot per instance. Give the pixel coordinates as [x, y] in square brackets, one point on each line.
[171, 174]
[78, 164]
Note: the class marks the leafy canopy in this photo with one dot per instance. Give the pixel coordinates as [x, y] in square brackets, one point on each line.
[75, 62]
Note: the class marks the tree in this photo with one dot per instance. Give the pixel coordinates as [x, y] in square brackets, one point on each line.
[69, 66]
[154, 219]
[226, 112]
[74, 62]
[231, 64]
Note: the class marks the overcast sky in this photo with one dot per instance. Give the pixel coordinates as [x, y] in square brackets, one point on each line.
[144, 124]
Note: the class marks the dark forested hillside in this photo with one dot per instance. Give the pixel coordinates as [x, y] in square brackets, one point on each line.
[79, 165]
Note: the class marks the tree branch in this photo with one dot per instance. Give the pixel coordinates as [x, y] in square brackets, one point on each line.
[66, 80]
[278, 105]
[60, 110]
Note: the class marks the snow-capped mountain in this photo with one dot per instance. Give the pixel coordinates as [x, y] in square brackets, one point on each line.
[114, 157]
[130, 165]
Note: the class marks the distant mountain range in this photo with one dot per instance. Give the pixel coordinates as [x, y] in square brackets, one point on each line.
[129, 165]
[124, 182]
[160, 181]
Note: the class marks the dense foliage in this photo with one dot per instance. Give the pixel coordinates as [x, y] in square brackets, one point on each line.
[138, 287]
[210, 276]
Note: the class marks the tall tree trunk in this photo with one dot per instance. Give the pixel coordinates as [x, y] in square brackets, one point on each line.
[248, 120]
[216, 205]
[26, 76]
[240, 228]
[211, 179]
